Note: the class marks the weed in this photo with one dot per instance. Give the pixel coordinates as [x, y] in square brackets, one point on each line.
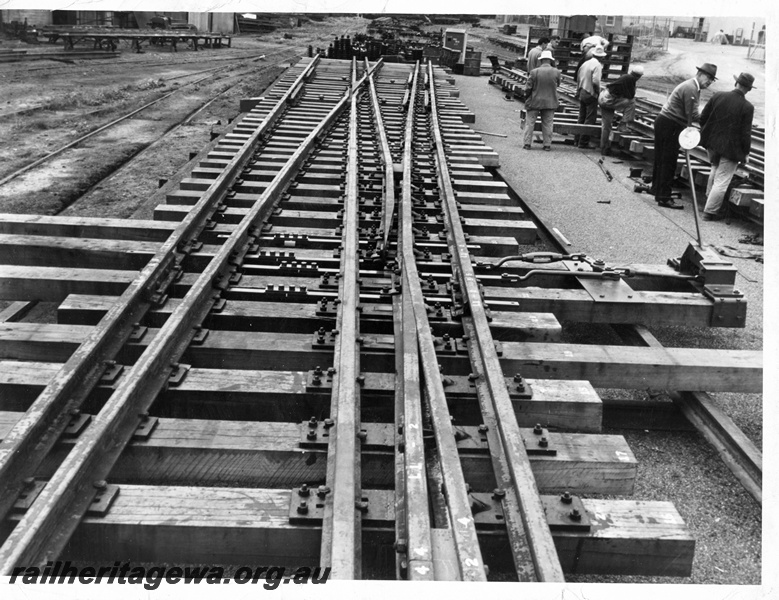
[31, 125]
[646, 54]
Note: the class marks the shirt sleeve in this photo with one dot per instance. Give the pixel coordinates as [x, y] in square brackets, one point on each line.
[691, 99]
[596, 75]
[529, 83]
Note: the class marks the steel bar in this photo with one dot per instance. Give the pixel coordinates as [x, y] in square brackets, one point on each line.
[341, 548]
[537, 534]
[461, 523]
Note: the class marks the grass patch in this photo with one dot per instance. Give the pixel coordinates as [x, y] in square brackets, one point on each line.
[100, 97]
[32, 125]
[646, 54]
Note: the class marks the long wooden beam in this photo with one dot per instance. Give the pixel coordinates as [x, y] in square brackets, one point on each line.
[205, 525]
[691, 369]
[272, 454]
[287, 395]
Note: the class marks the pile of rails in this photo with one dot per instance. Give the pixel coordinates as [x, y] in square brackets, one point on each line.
[316, 355]
[747, 190]
[392, 49]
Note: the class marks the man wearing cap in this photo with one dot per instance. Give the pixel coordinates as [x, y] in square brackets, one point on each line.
[534, 54]
[588, 45]
[588, 90]
[726, 133]
[541, 94]
[618, 95]
[679, 112]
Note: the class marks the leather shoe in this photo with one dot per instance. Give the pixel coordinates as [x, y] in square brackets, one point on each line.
[669, 203]
[526, 147]
[548, 148]
[711, 217]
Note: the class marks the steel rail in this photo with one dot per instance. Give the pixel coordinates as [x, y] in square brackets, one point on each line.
[341, 529]
[46, 527]
[388, 194]
[415, 546]
[494, 392]
[26, 445]
[737, 451]
[470, 564]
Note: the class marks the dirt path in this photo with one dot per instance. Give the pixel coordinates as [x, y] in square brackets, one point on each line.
[115, 172]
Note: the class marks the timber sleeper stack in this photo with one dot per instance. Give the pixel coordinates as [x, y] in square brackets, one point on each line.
[309, 357]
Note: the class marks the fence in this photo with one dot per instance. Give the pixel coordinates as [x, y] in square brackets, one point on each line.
[648, 32]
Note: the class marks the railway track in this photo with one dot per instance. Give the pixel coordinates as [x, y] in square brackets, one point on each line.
[317, 354]
[99, 130]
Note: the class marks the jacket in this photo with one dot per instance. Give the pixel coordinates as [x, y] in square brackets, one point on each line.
[532, 58]
[541, 88]
[726, 125]
[682, 104]
[588, 77]
[623, 87]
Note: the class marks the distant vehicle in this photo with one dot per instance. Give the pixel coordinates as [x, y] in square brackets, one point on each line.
[163, 22]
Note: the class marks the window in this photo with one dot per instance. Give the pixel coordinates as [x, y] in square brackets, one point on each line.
[611, 21]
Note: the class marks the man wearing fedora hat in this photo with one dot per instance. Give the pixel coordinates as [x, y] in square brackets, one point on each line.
[679, 112]
[726, 133]
[588, 89]
[541, 97]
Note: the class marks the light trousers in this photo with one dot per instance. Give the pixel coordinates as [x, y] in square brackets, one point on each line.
[608, 106]
[547, 120]
[722, 171]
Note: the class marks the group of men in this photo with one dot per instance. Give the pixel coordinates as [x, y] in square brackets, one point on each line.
[725, 128]
[725, 122]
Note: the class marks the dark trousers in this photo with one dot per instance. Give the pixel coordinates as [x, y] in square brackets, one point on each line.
[666, 153]
[588, 113]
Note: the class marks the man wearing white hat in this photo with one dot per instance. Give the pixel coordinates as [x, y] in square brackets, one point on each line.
[726, 133]
[618, 95]
[588, 90]
[541, 97]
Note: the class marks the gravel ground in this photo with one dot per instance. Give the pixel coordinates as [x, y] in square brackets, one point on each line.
[563, 187]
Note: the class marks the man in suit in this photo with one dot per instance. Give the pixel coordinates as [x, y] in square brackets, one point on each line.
[679, 112]
[541, 94]
[534, 55]
[726, 133]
